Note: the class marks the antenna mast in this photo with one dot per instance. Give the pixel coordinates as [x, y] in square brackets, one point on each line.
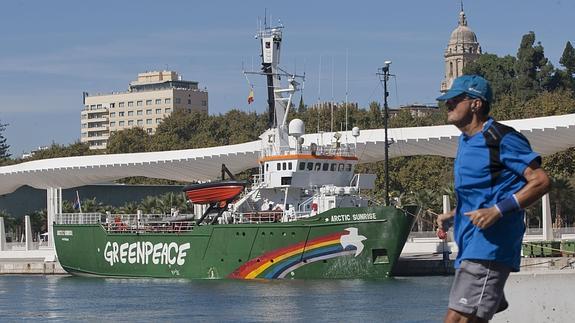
[384, 75]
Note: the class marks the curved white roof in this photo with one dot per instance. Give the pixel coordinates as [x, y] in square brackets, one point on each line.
[547, 135]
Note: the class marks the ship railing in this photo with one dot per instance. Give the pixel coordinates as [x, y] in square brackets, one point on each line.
[78, 218]
[150, 227]
[126, 223]
[329, 150]
[269, 216]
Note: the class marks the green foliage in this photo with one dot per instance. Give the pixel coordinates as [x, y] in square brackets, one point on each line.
[133, 140]
[4, 147]
[56, 151]
[500, 71]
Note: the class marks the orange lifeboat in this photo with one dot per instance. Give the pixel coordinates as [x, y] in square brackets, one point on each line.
[213, 192]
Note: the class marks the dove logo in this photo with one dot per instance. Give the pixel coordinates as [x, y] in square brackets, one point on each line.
[352, 239]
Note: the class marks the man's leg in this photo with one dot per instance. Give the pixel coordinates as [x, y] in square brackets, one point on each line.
[477, 291]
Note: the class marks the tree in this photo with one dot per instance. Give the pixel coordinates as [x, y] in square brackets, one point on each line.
[568, 59]
[133, 140]
[500, 71]
[534, 71]
[562, 195]
[4, 147]
[56, 151]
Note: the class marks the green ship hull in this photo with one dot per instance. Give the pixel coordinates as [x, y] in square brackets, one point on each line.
[340, 243]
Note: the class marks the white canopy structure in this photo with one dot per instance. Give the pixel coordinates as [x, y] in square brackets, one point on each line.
[547, 135]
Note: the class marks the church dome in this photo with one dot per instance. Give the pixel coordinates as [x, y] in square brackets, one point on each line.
[462, 34]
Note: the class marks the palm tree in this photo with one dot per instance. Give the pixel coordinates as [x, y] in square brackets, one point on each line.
[425, 199]
[562, 195]
[129, 208]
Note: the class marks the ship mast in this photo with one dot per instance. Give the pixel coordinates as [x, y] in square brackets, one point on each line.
[384, 75]
[279, 98]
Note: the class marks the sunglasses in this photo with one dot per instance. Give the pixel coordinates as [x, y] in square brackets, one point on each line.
[452, 103]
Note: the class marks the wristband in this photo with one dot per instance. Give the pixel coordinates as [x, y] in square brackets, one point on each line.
[508, 205]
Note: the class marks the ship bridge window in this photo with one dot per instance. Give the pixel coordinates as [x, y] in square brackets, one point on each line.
[309, 166]
[317, 166]
[289, 166]
[284, 166]
[332, 167]
[348, 167]
[279, 166]
[263, 170]
[325, 167]
[340, 167]
[301, 166]
[267, 167]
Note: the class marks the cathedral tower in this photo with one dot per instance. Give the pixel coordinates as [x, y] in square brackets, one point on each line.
[462, 49]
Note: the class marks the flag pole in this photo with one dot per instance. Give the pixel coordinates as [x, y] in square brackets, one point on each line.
[79, 202]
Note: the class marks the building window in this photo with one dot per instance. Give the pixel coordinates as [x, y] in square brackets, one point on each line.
[149, 111]
[112, 105]
[140, 122]
[130, 113]
[130, 122]
[121, 123]
[148, 121]
[112, 114]
[158, 111]
[204, 103]
[113, 124]
[140, 112]
[139, 103]
[121, 114]
[148, 102]
[158, 120]
[121, 104]
[99, 106]
[158, 101]
[189, 101]
[130, 103]
[149, 130]
[168, 110]
[167, 101]
[177, 100]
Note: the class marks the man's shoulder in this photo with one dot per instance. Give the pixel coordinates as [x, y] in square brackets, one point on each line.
[496, 131]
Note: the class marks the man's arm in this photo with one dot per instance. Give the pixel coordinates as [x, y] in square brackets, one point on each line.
[538, 183]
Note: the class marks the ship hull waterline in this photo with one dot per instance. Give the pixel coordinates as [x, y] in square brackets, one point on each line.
[342, 243]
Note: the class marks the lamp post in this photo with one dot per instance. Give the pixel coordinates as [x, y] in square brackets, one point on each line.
[384, 72]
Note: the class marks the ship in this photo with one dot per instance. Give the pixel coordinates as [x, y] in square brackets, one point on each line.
[303, 215]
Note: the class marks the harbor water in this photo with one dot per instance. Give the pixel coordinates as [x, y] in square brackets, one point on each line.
[67, 298]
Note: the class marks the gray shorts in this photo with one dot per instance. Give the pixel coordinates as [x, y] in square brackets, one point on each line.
[478, 288]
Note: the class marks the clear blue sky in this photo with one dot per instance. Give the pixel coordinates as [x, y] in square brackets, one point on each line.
[52, 51]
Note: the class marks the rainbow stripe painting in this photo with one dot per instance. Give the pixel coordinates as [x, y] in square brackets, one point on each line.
[279, 262]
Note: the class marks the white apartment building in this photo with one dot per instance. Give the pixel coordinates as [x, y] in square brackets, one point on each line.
[149, 99]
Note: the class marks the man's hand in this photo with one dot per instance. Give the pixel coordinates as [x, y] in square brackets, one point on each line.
[484, 218]
[443, 220]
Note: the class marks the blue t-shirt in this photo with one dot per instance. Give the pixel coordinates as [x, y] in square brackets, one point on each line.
[488, 169]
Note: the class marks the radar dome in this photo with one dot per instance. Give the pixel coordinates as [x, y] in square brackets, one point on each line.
[355, 132]
[296, 128]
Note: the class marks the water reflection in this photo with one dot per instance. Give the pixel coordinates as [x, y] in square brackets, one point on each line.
[420, 299]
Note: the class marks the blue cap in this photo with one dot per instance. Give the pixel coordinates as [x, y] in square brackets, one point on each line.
[474, 86]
